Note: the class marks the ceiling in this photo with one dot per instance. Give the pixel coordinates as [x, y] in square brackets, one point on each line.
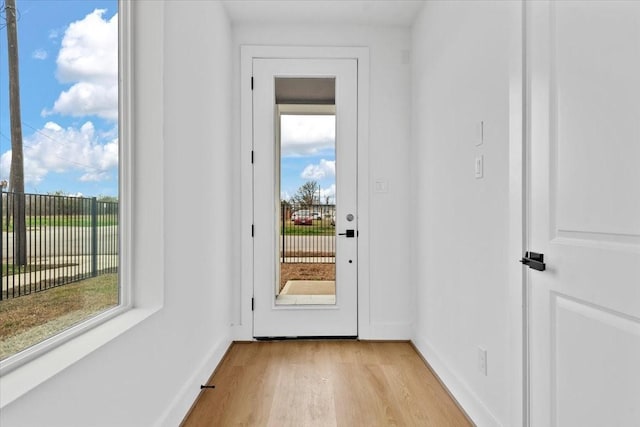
[307, 12]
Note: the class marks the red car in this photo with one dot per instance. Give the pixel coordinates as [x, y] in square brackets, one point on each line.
[302, 218]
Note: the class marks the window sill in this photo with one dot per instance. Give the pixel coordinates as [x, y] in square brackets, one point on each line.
[24, 378]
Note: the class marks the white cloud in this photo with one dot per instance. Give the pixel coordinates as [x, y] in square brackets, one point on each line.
[326, 168]
[40, 54]
[89, 59]
[328, 192]
[307, 135]
[94, 176]
[90, 49]
[285, 195]
[55, 149]
[86, 98]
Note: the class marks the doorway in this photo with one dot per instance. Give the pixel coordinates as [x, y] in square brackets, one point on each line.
[305, 197]
[583, 213]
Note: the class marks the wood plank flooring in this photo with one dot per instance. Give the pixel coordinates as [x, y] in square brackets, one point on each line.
[324, 383]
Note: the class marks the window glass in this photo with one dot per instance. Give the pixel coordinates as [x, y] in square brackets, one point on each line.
[307, 261]
[60, 202]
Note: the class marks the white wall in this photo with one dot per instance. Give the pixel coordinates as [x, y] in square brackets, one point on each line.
[384, 266]
[183, 218]
[438, 237]
[461, 76]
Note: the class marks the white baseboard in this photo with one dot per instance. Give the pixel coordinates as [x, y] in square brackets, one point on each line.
[178, 408]
[387, 331]
[466, 398]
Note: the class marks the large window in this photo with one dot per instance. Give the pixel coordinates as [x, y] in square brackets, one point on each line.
[61, 213]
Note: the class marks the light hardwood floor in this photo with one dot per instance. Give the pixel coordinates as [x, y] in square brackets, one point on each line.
[324, 383]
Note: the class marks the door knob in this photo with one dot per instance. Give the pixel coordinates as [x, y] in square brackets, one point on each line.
[348, 233]
[534, 260]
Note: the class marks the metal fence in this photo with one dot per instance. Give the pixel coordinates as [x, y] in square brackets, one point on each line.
[65, 239]
[307, 234]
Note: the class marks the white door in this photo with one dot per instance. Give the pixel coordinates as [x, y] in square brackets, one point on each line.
[278, 311]
[584, 213]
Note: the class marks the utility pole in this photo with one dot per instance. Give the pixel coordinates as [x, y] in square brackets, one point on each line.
[16, 179]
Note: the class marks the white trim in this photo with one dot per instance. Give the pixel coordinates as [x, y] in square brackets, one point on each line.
[179, 407]
[517, 350]
[392, 331]
[27, 377]
[461, 392]
[41, 348]
[243, 327]
[243, 330]
[125, 151]
[306, 109]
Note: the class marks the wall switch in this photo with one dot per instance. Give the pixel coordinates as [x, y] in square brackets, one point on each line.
[479, 133]
[482, 360]
[381, 186]
[479, 167]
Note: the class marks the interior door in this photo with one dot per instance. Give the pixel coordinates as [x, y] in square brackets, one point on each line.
[278, 310]
[584, 213]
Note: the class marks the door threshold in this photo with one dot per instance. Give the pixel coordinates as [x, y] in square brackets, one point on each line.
[310, 338]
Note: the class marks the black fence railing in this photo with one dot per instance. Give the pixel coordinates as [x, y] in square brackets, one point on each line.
[307, 234]
[64, 239]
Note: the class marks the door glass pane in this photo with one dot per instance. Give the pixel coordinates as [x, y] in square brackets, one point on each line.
[306, 273]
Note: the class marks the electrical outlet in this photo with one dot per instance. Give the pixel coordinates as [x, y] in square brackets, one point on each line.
[482, 360]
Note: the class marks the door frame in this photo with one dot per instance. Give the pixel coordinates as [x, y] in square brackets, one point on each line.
[519, 202]
[243, 329]
[272, 318]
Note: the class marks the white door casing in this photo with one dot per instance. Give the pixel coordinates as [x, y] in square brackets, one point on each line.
[269, 319]
[584, 212]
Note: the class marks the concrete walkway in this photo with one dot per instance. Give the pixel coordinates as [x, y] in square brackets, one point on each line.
[79, 265]
[288, 295]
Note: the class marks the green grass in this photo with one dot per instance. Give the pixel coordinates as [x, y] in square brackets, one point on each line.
[29, 319]
[65, 221]
[319, 228]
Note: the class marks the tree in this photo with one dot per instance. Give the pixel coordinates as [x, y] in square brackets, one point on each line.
[109, 199]
[16, 178]
[306, 195]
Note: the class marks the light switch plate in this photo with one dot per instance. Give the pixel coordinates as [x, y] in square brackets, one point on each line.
[381, 186]
[482, 360]
[479, 133]
[479, 167]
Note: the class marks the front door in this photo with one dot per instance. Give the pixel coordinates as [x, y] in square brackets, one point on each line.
[305, 207]
[584, 91]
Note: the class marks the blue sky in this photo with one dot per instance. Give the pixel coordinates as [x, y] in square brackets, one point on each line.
[68, 83]
[308, 154]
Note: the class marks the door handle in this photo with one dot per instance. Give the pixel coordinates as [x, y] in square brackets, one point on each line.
[534, 260]
[348, 233]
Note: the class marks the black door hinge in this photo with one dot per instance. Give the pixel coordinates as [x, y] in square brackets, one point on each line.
[252, 304]
[251, 156]
[251, 82]
[252, 230]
